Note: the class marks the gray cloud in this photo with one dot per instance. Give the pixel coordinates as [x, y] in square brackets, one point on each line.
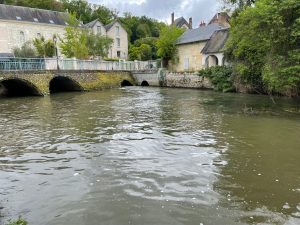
[162, 9]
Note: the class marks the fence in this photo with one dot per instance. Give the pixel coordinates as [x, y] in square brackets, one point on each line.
[23, 64]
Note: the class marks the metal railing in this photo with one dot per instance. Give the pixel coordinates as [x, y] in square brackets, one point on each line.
[25, 64]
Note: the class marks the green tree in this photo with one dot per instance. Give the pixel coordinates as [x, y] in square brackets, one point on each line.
[98, 45]
[143, 52]
[152, 42]
[25, 51]
[264, 46]
[45, 48]
[41, 4]
[166, 44]
[87, 12]
[74, 42]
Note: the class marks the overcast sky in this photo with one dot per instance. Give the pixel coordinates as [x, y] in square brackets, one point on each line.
[162, 9]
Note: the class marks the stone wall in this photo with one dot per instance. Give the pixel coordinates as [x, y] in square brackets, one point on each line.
[183, 80]
[152, 78]
[163, 78]
[91, 80]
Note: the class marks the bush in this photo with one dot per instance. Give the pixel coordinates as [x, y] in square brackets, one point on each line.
[220, 76]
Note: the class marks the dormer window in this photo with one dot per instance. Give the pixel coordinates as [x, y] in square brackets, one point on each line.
[18, 18]
[51, 21]
[35, 19]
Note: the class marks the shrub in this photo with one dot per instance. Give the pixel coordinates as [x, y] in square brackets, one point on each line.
[220, 76]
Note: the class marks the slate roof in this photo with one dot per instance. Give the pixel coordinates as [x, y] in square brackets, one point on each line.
[179, 22]
[92, 23]
[217, 42]
[110, 25]
[198, 34]
[25, 14]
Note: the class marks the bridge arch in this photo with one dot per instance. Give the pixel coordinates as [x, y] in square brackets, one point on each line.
[145, 83]
[64, 84]
[126, 83]
[17, 87]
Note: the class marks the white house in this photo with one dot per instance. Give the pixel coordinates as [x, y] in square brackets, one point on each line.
[114, 30]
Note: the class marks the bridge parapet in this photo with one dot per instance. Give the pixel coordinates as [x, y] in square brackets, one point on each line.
[38, 64]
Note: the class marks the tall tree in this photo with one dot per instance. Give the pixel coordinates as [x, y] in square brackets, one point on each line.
[264, 46]
[41, 4]
[166, 44]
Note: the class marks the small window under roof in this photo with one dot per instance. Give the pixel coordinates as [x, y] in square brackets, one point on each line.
[35, 19]
[18, 18]
[51, 21]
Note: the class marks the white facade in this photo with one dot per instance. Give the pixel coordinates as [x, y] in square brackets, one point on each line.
[15, 33]
[119, 48]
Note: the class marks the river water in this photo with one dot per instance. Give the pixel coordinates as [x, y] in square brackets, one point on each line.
[150, 156]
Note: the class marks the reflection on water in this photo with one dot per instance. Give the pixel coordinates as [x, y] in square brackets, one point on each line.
[150, 156]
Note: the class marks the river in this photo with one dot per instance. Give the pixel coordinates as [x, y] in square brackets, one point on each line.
[150, 156]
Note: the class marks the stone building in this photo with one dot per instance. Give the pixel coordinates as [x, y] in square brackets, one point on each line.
[116, 31]
[202, 47]
[21, 24]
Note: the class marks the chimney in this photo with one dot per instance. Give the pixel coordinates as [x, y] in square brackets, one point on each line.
[191, 23]
[172, 18]
[202, 24]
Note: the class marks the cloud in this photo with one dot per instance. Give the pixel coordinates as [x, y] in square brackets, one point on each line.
[162, 9]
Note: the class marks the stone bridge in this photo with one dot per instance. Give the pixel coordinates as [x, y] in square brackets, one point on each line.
[41, 83]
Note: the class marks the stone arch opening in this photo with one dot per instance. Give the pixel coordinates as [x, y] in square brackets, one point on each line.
[64, 84]
[126, 83]
[145, 83]
[211, 61]
[16, 87]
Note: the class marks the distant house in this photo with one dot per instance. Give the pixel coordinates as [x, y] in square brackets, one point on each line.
[202, 47]
[21, 24]
[181, 22]
[116, 31]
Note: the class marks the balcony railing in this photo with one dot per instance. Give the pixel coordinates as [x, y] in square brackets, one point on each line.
[25, 64]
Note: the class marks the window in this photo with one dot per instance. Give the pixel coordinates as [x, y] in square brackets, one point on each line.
[35, 19]
[118, 54]
[118, 42]
[186, 64]
[99, 30]
[51, 21]
[18, 18]
[117, 30]
[22, 37]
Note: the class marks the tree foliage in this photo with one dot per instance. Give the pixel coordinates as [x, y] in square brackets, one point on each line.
[264, 46]
[82, 43]
[41, 4]
[87, 12]
[44, 48]
[141, 27]
[98, 45]
[166, 44]
[25, 51]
